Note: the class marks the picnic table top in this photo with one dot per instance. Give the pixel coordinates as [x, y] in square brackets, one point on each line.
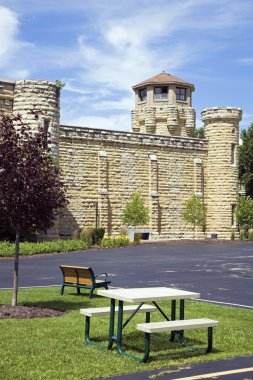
[147, 294]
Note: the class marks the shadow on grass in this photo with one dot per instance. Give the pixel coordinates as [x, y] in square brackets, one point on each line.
[65, 302]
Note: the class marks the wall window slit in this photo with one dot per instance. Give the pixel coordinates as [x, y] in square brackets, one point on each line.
[232, 154]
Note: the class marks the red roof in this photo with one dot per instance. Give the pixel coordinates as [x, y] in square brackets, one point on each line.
[163, 78]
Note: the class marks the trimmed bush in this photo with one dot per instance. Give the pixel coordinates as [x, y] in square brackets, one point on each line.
[98, 234]
[91, 235]
[242, 237]
[7, 249]
[115, 241]
[250, 234]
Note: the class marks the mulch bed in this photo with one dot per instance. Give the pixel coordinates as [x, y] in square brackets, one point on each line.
[23, 312]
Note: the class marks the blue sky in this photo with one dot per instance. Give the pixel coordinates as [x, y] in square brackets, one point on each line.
[101, 48]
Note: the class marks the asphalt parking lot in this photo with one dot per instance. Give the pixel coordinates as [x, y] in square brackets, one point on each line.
[220, 271]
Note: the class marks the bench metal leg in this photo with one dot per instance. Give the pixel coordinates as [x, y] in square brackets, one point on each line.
[78, 290]
[210, 340]
[91, 293]
[62, 289]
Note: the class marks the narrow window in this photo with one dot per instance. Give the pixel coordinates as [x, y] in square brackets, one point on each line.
[46, 125]
[160, 93]
[233, 221]
[143, 94]
[232, 154]
[181, 93]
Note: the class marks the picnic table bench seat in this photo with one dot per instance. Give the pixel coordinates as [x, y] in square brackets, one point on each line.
[103, 311]
[177, 326]
[82, 278]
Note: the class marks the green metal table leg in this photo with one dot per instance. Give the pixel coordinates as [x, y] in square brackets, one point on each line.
[87, 330]
[181, 315]
[210, 340]
[119, 331]
[111, 324]
[173, 318]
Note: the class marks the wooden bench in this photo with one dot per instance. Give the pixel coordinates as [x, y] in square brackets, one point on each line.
[103, 311]
[82, 278]
[177, 326]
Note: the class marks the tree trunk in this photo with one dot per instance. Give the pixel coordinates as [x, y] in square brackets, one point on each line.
[15, 274]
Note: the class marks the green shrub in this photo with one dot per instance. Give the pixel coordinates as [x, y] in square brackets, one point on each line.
[86, 235]
[115, 241]
[7, 249]
[76, 233]
[92, 235]
[232, 236]
[98, 234]
[250, 234]
[242, 237]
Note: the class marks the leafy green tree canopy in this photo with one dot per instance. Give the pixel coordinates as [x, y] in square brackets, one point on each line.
[246, 160]
[199, 133]
[135, 212]
[195, 212]
[244, 212]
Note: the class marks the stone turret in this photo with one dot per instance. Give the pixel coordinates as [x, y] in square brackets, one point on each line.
[221, 193]
[44, 97]
[163, 107]
[6, 95]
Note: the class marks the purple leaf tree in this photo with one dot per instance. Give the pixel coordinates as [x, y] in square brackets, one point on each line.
[31, 190]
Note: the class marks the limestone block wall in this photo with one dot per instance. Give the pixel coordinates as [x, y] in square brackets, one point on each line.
[168, 120]
[43, 96]
[103, 168]
[221, 193]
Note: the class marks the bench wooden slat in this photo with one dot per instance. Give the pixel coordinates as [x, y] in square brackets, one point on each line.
[187, 324]
[82, 278]
[100, 311]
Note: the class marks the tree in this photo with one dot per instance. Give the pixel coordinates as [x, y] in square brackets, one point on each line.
[244, 212]
[246, 160]
[31, 191]
[199, 133]
[135, 212]
[195, 212]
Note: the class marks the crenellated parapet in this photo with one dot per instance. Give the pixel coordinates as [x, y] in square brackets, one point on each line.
[169, 120]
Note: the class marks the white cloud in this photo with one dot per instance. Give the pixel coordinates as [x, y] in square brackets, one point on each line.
[10, 45]
[114, 122]
[247, 61]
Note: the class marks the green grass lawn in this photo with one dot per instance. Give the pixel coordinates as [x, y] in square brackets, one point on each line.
[54, 348]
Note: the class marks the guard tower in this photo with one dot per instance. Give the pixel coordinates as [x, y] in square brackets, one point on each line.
[6, 95]
[163, 106]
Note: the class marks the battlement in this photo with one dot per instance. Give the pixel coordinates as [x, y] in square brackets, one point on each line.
[120, 137]
[221, 113]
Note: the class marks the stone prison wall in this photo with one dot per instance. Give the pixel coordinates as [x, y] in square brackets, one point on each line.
[104, 168]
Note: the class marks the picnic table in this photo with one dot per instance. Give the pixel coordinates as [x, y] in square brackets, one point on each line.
[141, 296]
